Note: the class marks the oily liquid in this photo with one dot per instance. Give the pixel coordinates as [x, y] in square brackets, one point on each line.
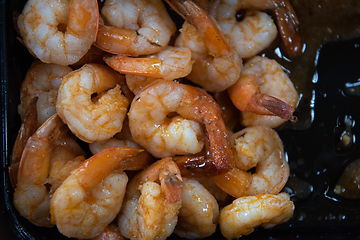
[321, 21]
[321, 185]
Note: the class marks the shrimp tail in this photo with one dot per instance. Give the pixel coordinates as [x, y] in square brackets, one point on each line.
[288, 26]
[171, 183]
[192, 13]
[27, 129]
[35, 159]
[274, 106]
[254, 101]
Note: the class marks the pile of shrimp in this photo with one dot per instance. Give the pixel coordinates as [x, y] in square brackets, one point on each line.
[135, 127]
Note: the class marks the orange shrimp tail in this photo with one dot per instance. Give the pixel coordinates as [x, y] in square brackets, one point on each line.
[27, 129]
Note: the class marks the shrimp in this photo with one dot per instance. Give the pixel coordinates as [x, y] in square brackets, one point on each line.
[91, 121]
[150, 210]
[169, 64]
[261, 148]
[121, 139]
[216, 65]
[90, 198]
[257, 28]
[111, 232]
[248, 37]
[199, 212]
[135, 28]
[153, 128]
[59, 32]
[245, 213]
[42, 80]
[264, 93]
[31, 195]
[27, 129]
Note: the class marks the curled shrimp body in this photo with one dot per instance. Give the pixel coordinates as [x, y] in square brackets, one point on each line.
[216, 65]
[245, 213]
[134, 27]
[31, 195]
[59, 32]
[154, 129]
[42, 80]
[152, 202]
[91, 121]
[264, 93]
[90, 198]
[249, 36]
[199, 212]
[261, 148]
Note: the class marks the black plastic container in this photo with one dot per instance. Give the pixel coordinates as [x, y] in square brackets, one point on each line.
[315, 158]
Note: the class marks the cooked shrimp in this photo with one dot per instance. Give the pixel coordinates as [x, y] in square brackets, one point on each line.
[31, 195]
[245, 213]
[121, 139]
[216, 65]
[264, 93]
[42, 80]
[90, 198]
[59, 32]
[221, 196]
[153, 128]
[91, 121]
[135, 28]
[261, 148]
[65, 157]
[258, 28]
[199, 212]
[27, 129]
[248, 37]
[169, 64]
[150, 209]
[111, 232]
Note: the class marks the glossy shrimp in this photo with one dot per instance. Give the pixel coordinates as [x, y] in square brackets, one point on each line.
[27, 129]
[42, 80]
[248, 36]
[59, 32]
[152, 202]
[31, 195]
[261, 148]
[264, 94]
[174, 128]
[257, 27]
[90, 198]
[199, 212]
[245, 213]
[168, 64]
[216, 65]
[92, 119]
[134, 27]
